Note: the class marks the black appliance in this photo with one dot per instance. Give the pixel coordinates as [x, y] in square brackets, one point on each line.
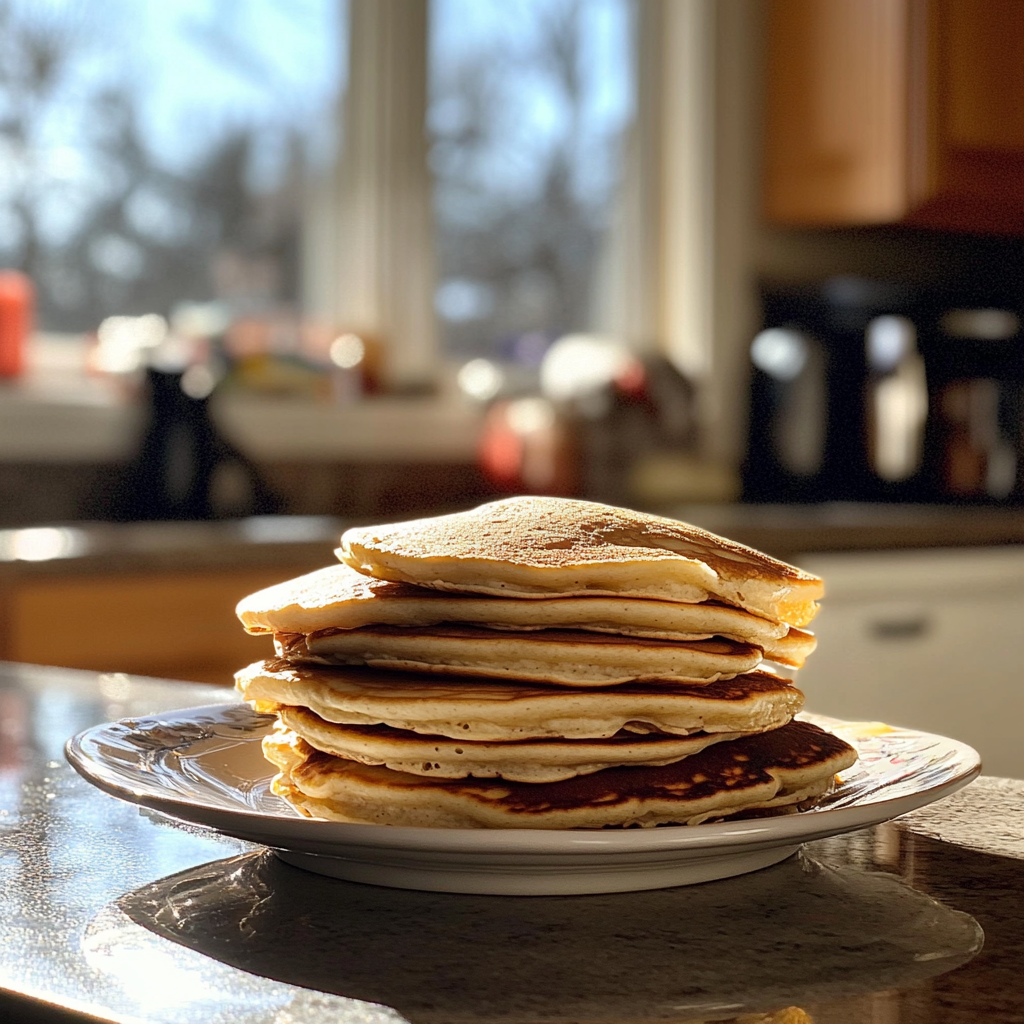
[875, 391]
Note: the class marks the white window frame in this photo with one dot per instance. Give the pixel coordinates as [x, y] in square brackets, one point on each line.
[370, 262]
[676, 270]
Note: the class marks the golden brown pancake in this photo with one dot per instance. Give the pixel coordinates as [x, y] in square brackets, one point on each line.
[786, 767]
[546, 547]
[338, 597]
[793, 649]
[486, 710]
[544, 760]
[563, 657]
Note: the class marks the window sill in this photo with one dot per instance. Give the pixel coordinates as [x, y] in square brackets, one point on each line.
[98, 428]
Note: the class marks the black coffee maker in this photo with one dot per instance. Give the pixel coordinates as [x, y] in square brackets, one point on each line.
[875, 391]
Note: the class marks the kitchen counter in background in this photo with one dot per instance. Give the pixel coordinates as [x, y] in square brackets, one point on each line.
[923, 604]
[783, 531]
[150, 598]
[158, 598]
[124, 915]
[790, 531]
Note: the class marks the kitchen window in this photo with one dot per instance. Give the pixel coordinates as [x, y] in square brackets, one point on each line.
[529, 104]
[155, 152]
[549, 169]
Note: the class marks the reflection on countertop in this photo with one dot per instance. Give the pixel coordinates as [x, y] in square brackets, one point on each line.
[129, 916]
[804, 933]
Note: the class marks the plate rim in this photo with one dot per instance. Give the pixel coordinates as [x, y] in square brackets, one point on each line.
[792, 829]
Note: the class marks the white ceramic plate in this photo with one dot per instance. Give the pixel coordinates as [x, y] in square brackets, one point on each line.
[205, 766]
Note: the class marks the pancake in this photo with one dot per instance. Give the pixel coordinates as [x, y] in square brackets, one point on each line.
[562, 657]
[793, 649]
[484, 710]
[338, 597]
[543, 547]
[545, 760]
[784, 768]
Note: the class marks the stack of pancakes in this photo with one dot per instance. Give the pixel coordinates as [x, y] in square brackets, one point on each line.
[541, 663]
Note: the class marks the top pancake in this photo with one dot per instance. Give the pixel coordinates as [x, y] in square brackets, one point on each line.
[558, 547]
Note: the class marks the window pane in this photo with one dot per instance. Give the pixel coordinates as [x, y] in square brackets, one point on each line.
[528, 104]
[152, 151]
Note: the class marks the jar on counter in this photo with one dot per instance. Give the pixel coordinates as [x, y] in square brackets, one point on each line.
[17, 300]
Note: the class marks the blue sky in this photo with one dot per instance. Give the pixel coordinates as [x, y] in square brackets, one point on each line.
[197, 67]
[533, 114]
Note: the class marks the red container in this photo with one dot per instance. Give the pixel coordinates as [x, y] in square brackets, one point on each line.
[17, 299]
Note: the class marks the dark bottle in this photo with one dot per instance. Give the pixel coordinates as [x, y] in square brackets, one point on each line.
[184, 468]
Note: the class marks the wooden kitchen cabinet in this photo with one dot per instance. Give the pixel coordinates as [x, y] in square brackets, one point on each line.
[179, 626]
[895, 112]
[154, 599]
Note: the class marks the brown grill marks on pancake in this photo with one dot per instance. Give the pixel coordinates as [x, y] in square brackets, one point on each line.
[743, 764]
[573, 659]
[291, 647]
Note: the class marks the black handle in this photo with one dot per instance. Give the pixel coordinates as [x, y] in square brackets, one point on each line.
[910, 628]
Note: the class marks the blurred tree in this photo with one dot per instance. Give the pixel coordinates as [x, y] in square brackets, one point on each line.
[32, 57]
[94, 217]
[519, 216]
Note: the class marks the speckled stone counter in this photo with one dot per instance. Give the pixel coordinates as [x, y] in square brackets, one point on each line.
[126, 916]
[109, 548]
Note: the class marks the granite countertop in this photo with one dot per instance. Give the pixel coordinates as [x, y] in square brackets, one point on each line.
[124, 915]
[105, 548]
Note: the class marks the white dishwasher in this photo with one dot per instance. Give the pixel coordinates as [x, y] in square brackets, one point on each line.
[928, 639]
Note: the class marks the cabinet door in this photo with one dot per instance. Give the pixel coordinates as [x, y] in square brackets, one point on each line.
[968, 132]
[925, 640]
[175, 625]
[950, 667]
[890, 111]
[835, 119]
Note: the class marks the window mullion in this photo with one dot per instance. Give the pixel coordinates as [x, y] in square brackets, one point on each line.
[383, 270]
